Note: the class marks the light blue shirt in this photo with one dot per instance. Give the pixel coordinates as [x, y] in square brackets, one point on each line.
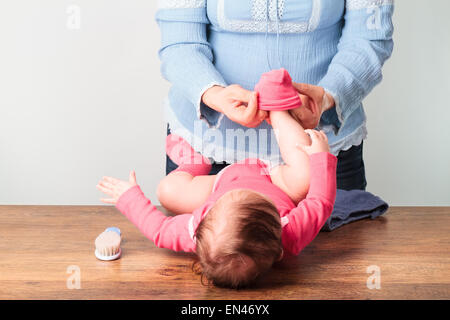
[340, 45]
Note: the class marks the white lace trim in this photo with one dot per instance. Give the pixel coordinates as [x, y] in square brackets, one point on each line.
[259, 24]
[274, 10]
[353, 139]
[259, 9]
[176, 4]
[364, 4]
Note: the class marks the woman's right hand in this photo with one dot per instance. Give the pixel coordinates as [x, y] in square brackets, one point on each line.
[238, 104]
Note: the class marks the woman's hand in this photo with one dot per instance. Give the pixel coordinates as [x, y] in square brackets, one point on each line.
[319, 142]
[313, 104]
[238, 104]
[115, 187]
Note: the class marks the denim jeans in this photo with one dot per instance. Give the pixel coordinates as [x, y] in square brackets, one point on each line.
[350, 172]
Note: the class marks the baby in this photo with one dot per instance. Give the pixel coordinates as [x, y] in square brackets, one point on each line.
[245, 218]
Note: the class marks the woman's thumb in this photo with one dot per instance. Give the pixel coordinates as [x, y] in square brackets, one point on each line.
[303, 88]
[252, 106]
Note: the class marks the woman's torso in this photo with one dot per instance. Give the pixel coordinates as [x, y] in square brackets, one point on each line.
[303, 41]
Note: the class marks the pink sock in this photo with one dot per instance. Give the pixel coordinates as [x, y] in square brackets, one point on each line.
[276, 92]
[187, 159]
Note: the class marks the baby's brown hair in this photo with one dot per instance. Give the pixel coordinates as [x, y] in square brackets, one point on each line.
[253, 244]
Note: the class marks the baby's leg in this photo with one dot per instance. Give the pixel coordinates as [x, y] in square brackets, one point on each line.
[187, 187]
[293, 177]
[180, 192]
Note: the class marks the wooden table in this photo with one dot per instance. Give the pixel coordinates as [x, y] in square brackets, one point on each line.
[39, 244]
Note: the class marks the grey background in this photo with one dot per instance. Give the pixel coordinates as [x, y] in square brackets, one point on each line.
[76, 104]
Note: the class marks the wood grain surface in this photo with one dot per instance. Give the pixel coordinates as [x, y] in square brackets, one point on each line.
[38, 244]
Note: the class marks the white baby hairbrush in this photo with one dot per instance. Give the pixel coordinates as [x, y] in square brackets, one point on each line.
[107, 244]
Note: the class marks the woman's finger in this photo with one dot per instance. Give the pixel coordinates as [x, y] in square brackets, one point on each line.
[235, 113]
[235, 104]
[262, 115]
[242, 115]
[303, 88]
[252, 107]
[310, 90]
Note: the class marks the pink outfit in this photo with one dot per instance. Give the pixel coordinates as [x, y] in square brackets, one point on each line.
[300, 223]
[276, 92]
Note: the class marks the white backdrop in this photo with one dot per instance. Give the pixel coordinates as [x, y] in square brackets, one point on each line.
[81, 96]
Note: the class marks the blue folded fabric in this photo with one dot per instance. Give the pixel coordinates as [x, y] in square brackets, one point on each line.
[354, 205]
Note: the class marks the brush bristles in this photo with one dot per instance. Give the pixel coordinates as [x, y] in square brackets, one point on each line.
[108, 243]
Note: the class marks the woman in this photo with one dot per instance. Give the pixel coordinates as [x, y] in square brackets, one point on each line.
[214, 52]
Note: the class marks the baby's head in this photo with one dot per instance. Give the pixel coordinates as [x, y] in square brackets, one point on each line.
[239, 239]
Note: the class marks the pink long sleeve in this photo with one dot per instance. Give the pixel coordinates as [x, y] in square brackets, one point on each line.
[164, 231]
[306, 220]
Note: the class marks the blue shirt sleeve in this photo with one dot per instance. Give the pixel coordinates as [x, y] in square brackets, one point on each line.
[185, 54]
[365, 44]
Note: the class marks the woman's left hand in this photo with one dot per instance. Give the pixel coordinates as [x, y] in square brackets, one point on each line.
[308, 115]
[115, 187]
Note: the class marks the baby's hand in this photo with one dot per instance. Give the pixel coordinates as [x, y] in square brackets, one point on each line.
[319, 142]
[115, 187]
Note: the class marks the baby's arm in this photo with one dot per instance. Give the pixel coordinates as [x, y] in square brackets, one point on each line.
[164, 231]
[306, 220]
[293, 177]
